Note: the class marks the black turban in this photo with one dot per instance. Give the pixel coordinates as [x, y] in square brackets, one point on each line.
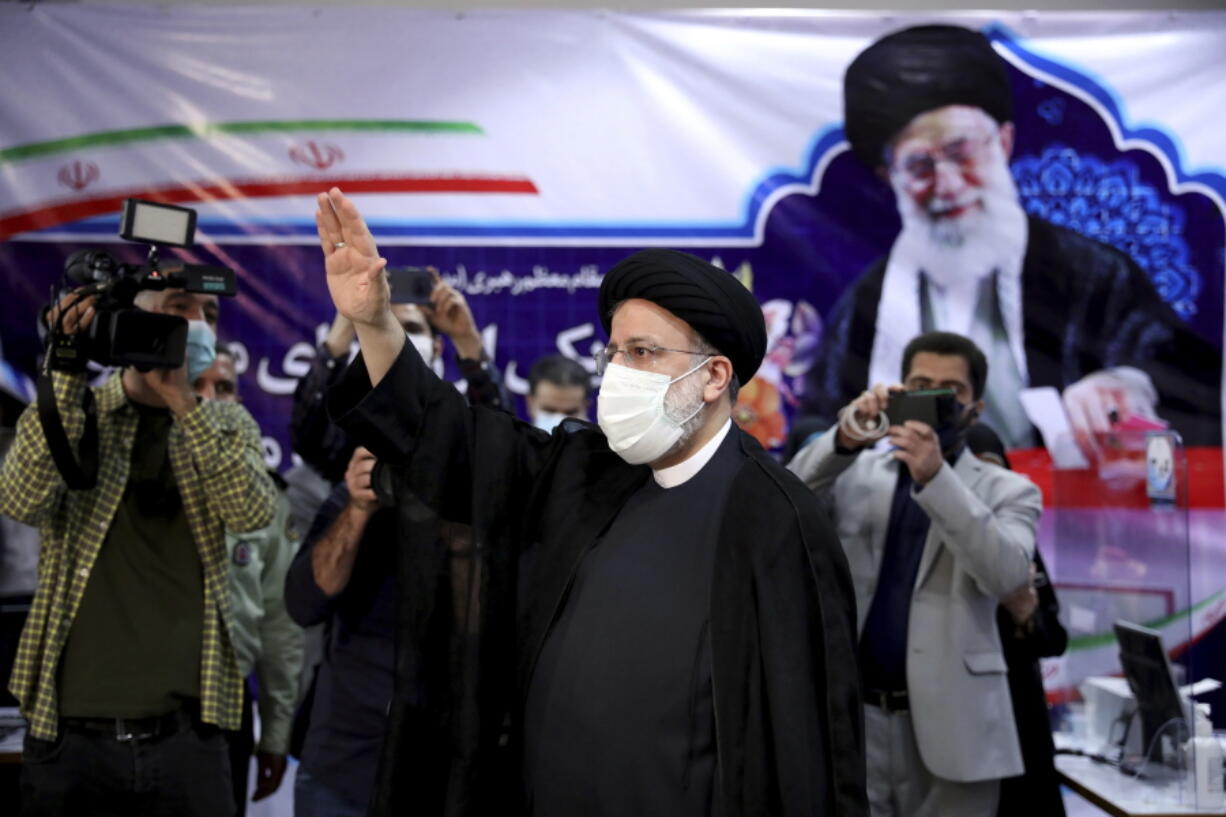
[709, 299]
[915, 70]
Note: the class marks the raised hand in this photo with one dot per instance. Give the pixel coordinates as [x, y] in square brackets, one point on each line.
[449, 313]
[356, 279]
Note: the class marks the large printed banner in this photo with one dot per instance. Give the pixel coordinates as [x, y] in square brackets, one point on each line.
[523, 153]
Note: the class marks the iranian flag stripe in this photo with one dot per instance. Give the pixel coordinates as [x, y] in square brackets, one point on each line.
[64, 212]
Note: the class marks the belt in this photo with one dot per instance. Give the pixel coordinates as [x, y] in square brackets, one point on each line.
[128, 729]
[889, 700]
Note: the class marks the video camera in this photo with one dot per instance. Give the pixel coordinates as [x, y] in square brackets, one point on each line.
[121, 334]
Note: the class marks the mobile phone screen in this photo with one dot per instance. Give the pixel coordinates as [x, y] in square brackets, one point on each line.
[933, 406]
[410, 285]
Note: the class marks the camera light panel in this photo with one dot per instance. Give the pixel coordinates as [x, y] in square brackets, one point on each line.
[154, 223]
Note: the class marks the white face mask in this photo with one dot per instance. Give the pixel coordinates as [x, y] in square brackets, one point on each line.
[424, 344]
[548, 420]
[630, 410]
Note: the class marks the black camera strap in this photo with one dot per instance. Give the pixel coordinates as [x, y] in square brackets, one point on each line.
[79, 475]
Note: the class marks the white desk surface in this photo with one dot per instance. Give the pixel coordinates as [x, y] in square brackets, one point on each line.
[1124, 796]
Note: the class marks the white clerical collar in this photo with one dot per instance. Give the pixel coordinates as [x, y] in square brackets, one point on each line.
[675, 475]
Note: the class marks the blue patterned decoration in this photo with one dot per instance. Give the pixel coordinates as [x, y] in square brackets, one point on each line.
[1107, 202]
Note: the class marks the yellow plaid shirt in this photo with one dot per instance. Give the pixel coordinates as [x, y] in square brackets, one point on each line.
[215, 452]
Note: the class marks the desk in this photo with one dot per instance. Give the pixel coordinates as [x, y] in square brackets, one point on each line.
[1123, 796]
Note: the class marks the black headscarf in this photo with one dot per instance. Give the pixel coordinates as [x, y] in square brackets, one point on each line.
[981, 439]
[916, 70]
[706, 297]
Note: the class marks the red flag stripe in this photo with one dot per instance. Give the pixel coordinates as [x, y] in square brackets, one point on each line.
[65, 212]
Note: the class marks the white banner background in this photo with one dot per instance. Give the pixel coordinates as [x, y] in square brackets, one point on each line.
[630, 122]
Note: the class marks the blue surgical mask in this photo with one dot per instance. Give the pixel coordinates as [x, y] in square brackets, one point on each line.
[201, 349]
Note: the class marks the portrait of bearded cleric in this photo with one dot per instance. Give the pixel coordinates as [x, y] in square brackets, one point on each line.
[929, 110]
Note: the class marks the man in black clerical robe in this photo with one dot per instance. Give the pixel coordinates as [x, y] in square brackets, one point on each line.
[929, 109]
[588, 635]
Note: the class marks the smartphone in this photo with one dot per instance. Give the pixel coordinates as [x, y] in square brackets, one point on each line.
[936, 407]
[410, 285]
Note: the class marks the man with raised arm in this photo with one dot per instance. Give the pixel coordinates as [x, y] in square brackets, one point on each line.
[649, 617]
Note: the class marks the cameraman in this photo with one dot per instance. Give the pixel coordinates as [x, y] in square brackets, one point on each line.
[125, 670]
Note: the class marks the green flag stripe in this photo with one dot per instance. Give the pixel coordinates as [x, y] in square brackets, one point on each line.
[1090, 642]
[121, 137]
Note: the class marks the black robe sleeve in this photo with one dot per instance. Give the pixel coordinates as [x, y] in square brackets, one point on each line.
[414, 420]
[789, 717]
[461, 479]
[314, 437]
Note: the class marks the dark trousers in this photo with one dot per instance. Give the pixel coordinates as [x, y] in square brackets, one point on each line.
[181, 771]
[241, 747]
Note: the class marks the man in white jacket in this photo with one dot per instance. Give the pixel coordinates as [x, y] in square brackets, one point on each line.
[934, 538]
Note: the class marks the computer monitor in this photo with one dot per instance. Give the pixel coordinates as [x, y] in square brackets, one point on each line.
[1148, 671]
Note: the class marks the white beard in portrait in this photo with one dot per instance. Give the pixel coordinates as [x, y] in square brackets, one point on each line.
[959, 250]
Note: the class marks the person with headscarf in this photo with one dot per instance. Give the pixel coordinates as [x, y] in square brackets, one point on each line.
[929, 109]
[646, 617]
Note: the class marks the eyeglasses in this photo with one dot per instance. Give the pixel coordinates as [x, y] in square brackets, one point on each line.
[922, 166]
[638, 356]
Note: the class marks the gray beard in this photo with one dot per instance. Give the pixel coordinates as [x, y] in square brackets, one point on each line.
[683, 399]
